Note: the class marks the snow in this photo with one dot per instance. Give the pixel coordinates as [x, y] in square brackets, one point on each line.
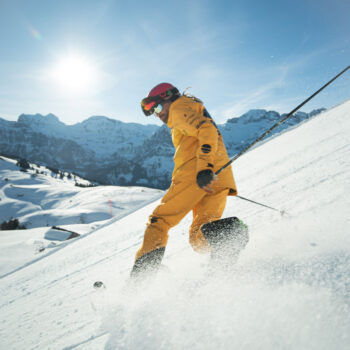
[289, 290]
[41, 201]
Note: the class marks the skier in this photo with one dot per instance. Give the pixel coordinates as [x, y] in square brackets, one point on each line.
[199, 152]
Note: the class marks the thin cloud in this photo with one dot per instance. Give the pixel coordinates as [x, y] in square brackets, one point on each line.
[254, 99]
[267, 91]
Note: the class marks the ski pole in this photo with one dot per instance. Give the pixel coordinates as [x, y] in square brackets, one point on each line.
[278, 123]
[282, 212]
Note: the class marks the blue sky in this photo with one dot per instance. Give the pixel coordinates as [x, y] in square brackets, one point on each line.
[235, 55]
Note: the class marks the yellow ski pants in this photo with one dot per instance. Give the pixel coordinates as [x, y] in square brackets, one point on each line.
[179, 200]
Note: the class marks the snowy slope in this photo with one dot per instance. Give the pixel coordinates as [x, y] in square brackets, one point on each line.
[39, 200]
[290, 289]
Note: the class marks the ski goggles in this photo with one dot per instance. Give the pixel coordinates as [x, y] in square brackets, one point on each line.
[153, 104]
[149, 106]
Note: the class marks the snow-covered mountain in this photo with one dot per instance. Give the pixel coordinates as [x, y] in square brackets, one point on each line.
[112, 152]
[289, 290]
[242, 131]
[101, 135]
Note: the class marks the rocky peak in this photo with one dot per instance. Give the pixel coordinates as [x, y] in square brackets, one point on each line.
[38, 119]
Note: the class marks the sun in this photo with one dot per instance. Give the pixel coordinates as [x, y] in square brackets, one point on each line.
[74, 74]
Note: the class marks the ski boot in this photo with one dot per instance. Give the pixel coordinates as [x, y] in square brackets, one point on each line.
[227, 238]
[147, 264]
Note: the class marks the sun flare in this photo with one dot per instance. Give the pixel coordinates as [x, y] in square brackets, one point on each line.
[74, 74]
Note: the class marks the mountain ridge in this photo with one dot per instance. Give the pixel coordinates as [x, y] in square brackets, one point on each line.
[113, 152]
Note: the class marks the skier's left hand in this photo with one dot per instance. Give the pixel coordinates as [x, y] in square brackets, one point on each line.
[205, 179]
[209, 188]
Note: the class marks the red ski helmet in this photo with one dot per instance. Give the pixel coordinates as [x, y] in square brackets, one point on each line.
[161, 92]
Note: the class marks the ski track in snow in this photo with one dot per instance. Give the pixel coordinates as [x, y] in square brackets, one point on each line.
[289, 290]
[63, 245]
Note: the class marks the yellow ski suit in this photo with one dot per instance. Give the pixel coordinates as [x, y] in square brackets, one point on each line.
[198, 146]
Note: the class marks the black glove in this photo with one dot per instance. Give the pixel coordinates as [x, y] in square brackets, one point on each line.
[205, 177]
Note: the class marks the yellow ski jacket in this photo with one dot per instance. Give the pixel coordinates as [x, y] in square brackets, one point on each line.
[198, 144]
